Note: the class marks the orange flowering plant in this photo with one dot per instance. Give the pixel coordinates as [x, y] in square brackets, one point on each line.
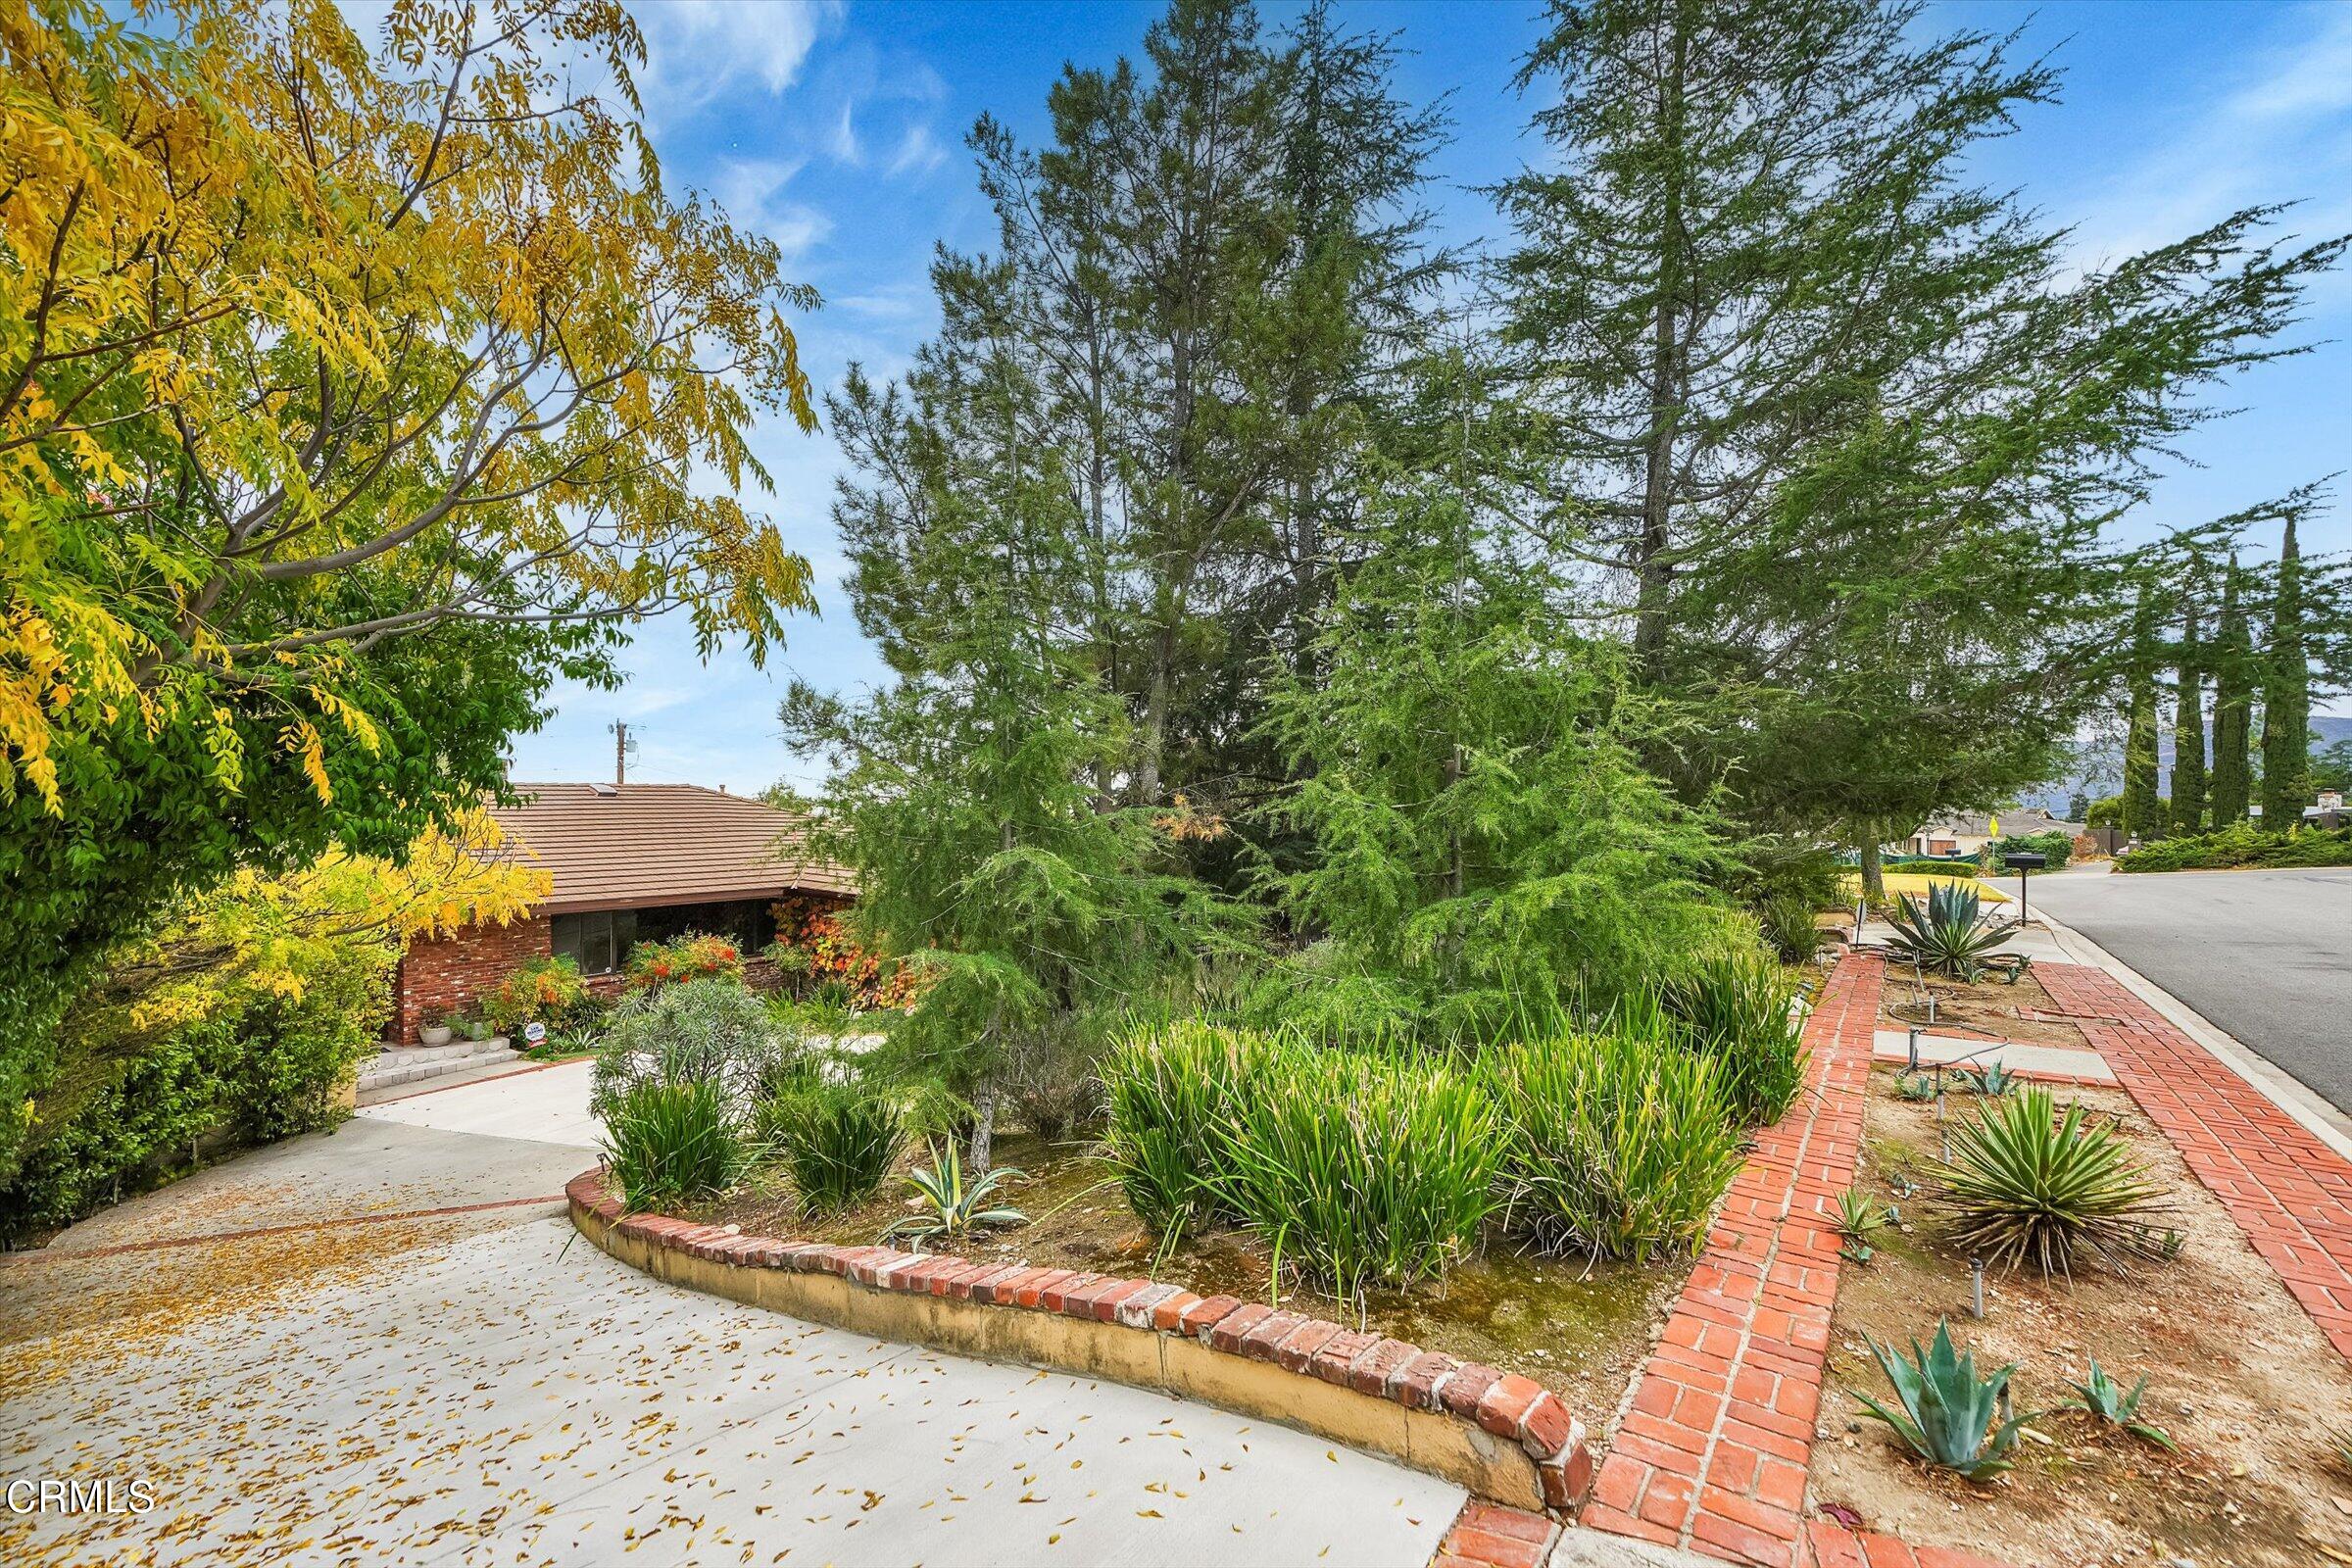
[549, 990]
[693, 957]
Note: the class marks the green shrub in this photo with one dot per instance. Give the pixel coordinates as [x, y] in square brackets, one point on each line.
[1172, 1093]
[669, 1144]
[1367, 1170]
[1789, 925]
[836, 1140]
[546, 990]
[1617, 1143]
[1774, 868]
[695, 1031]
[2029, 1184]
[1739, 1008]
[2056, 845]
[2243, 846]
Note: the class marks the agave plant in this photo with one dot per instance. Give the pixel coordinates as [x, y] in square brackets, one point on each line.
[1948, 932]
[1995, 1080]
[2107, 1400]
[950, 1205]
[1859, 1213]
[2031, 1184]
[1915, 1086]
[1949, 1416]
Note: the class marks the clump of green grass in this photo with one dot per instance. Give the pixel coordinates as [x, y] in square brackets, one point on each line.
[1366, 1170]
[669, 1144]
[1617, 1143]
[836, 1140]
[1173, 1093]
[1739, 1008]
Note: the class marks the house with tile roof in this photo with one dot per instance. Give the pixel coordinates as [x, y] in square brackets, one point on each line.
[630, 863]
[1967, 832]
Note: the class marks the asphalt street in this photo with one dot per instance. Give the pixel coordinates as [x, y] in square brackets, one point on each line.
[2267, 956]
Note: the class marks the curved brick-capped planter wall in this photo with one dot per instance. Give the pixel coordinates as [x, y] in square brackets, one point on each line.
[1503, 1437]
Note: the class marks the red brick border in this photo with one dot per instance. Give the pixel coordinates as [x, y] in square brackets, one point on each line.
[1504, 1405]
[1712, 1455]
[2290, 1192]
[1485, 1535]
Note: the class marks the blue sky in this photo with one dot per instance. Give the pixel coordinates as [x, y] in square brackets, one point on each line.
[837, 130]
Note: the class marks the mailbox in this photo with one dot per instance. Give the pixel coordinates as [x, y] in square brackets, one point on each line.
[2024, 860]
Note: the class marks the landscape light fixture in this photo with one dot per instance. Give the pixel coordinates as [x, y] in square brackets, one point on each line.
[2023, 862]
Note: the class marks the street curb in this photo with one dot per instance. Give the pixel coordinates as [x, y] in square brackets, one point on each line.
[2315, 1115]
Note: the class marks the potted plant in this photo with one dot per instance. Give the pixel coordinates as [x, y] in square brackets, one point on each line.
[476, 1029]
[434, 1028]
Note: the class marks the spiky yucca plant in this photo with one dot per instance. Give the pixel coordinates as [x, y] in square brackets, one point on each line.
[1948, 932]
[2031, 1184]
[1948, 1416]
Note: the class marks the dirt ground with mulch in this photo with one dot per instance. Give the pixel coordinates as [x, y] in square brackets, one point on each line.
[2239, 1378]
[1987, 1006]
[1582, 1329]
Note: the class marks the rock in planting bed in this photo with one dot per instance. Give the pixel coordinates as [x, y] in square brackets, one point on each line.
[2239, 1377]
[1580, 1329]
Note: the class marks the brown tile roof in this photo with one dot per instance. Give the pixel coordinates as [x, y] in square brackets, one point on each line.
[642, 845]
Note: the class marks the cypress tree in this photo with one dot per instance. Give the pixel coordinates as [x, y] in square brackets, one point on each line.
[2286, 698]
[2144, 809]
[2232, 778]
[2188, 725]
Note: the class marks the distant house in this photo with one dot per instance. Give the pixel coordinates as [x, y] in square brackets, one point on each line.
[1967, 833]
[631, 862]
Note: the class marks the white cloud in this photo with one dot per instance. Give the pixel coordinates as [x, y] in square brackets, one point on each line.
[845, 142]
[751, 190]
[2281, 132]
[700, 50]
[920, 152]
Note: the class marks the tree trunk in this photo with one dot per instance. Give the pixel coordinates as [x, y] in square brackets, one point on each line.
[1653, 572]
[984, 1128]
[1873, 876]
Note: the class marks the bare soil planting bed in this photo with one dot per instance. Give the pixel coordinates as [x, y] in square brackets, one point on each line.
[2239, 1378]
[1987, 1006]
[1581, 1329]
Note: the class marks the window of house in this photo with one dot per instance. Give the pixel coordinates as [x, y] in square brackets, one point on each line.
[599, 941]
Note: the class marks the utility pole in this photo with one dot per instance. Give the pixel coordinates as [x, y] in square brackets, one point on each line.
[621, 751]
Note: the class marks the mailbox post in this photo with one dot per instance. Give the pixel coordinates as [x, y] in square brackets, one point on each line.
[2023, 863]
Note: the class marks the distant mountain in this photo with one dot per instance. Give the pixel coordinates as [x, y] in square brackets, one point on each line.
[2102, 769]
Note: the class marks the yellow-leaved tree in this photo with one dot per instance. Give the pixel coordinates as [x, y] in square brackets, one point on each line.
[352, 390]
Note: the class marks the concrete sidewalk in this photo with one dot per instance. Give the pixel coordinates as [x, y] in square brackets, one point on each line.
[431, 1388]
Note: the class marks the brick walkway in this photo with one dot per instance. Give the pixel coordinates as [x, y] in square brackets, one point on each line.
[2290, 1192]
[1712, 1455]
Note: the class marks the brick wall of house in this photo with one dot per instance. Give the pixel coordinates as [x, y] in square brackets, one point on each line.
[449, 972]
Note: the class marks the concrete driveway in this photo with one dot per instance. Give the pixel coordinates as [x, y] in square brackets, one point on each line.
[2267, 956]
[448, 1378]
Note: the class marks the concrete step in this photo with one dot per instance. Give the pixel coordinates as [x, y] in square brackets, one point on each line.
[406, 1064]
[449, 1052]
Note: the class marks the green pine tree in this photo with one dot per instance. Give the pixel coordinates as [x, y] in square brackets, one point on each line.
[1787, 373]
[1485, 836]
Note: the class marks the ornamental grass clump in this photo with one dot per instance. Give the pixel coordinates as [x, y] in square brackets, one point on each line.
[1173, 1093]
[837, 1142]
[669, 1143]
[2029, 1185]
[1617, 1143]
[1740, 1008]
[1366, 1170]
